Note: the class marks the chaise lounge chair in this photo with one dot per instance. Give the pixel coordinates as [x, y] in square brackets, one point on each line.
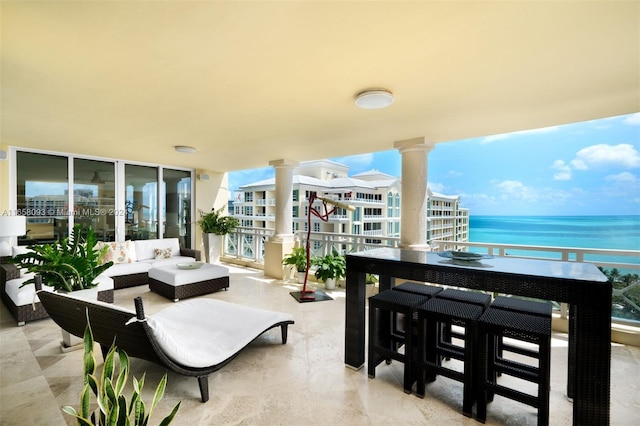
[193, 338]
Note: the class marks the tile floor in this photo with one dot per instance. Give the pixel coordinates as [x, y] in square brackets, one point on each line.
[304, 382]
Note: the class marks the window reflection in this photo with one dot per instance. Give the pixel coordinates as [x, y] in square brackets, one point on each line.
[43, 196]
[94, 197]
[141, 202]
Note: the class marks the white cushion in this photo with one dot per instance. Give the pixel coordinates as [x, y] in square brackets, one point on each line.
[126, 269]
[22, 296]
[145, 248]
[16, 250]
[204, 332]
[104, 282]
[172, 275]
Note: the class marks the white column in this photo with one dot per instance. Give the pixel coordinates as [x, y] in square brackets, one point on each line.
[284, 199]
[413, 225]
[282, 242]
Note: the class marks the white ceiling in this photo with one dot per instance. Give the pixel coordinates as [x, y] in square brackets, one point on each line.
[250, 82]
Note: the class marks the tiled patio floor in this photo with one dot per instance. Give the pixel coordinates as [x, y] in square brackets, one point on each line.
[304, 382]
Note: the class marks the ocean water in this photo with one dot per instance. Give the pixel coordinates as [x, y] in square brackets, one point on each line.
[600, 232]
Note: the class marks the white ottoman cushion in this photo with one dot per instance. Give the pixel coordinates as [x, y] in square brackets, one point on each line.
[171, 275]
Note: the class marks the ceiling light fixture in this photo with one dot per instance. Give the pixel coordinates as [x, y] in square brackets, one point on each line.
[185, 149]
[96, 178]
[374, 99]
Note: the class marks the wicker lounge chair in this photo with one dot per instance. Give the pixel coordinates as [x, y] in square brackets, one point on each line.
[193, 338]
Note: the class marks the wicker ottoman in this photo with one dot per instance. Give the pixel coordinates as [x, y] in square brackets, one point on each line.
[176, 284]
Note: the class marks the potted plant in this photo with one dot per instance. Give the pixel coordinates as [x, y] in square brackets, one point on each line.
[298, 260]
[330, 268]
[108, 387]
[214, 225]
[69, 265]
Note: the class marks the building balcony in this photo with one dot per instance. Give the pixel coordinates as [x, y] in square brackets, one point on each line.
[270, 383]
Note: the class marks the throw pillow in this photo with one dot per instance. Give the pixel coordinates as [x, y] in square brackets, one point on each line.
[118, 252]
[164, 253]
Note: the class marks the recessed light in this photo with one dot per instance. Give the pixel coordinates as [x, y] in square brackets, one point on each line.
[185, 149]
[374, 99]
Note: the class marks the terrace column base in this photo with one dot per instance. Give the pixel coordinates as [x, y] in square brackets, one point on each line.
[274, 251]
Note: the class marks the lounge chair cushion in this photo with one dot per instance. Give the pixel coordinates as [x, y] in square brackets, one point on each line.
[228, 326]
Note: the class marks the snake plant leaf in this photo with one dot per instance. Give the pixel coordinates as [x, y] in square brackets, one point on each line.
[109, 364]
[85, 401]
[89, 359]
[110, 392]
[124, 372]
[93, 384]
[167, 420]
[112, 420]
[122, 410]
[159, 393]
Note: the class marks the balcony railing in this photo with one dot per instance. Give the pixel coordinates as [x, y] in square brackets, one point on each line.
[247, 244]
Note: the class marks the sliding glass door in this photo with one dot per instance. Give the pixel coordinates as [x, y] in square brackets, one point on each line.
[117, 200]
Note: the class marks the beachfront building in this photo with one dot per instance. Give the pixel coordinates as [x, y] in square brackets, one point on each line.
[375, 197]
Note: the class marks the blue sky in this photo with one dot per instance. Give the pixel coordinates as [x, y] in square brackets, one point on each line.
[588, 168]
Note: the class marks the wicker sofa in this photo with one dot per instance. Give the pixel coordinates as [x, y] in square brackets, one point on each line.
[132, 261]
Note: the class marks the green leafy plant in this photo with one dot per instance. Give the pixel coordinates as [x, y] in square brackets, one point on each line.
[371, 279]
[214, 222]
[113, 408]
[297, 258]
[67, 265]
[331, 265]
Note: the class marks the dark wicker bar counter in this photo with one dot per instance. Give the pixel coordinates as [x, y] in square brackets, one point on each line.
[581, 285]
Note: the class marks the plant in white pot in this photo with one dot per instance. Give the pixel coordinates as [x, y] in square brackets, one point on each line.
[69, 265]
[330, 268]
[298, 260]
[214, 226]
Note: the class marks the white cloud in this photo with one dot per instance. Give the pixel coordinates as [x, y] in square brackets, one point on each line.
[633, 119]
[563, 170]
[516, 190]
[436, 187]
[502, 136]
[454, 173]
[603, 155]
[624, 177]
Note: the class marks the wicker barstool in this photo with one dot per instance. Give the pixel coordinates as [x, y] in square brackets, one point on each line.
[526, 306]
[498, 323]
[418, 288]
[384, 337]
[435, 319]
